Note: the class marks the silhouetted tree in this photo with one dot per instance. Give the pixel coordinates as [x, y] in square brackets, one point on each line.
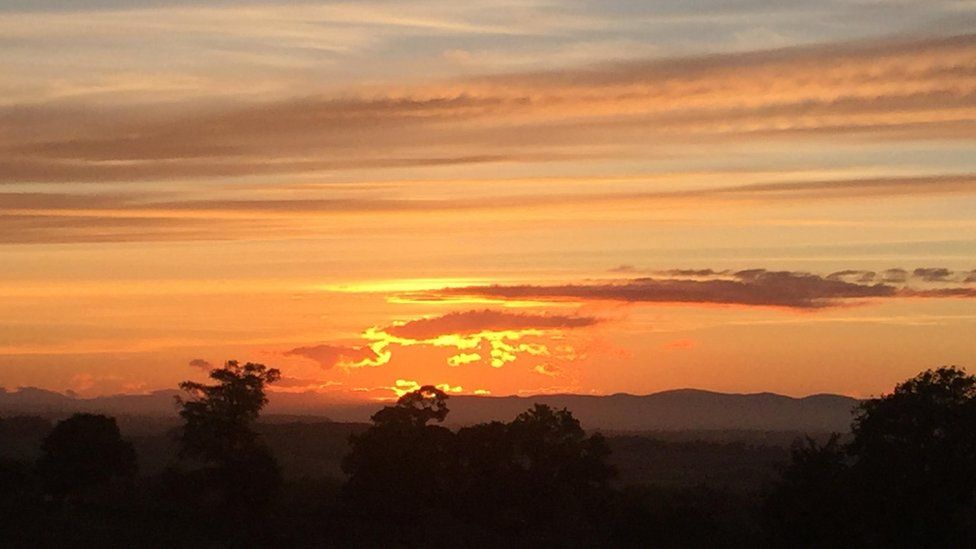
[812, 505]
[555, 450]
[218, 430]
[402, 457]
[906, 478]
[83, 452]
[537, 478]
[915, 458]
[219, 417]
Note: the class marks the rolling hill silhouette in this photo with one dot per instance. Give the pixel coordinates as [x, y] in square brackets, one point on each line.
[682, 409]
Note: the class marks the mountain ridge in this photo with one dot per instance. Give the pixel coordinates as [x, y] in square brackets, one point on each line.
[673, 409]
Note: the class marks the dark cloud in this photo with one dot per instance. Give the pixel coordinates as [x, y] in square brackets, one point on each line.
[970, 277]
[696, 273]
[853, 275]
[328, 356]
[757, 287]
[932, 274]
[472, 322]
[201, 363]
[894, 275]
[939, 292]
[748, 287]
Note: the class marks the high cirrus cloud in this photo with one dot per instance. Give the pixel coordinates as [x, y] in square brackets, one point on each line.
[83, 216]
[915, 89]
[753, 287]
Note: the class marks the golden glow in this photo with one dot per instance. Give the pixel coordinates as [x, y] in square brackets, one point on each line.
[401, 285]
[403, 386]
[474, 301]
[503, 346]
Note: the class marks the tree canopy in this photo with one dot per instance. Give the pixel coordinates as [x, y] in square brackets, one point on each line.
[907, 475]
[84, 452]
[539, 472]
[218, 417]
[218, 430]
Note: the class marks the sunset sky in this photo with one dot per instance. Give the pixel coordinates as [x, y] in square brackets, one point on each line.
[515, 197]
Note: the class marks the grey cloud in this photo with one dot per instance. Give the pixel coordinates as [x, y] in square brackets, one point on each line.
[201, 363]
[751, 287]
[853, 275]
[894, 275]
[755, 287]
[932, 274]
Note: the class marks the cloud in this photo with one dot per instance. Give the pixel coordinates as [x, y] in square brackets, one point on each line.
[473, 322]
[932, 274]
[752, 287]
[404, 386]
[495, 338]
[201, 363]
[328, 356]
[894, 275]
[256, 213]
[940, 292]
[692, 273]
[853, 275]
[895, 88]
[293, 384]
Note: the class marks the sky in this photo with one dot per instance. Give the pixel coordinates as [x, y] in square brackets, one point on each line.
[516, 197]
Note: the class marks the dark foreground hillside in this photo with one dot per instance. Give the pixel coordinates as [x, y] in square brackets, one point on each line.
[717, 477]
[903, 476]
[314, 449]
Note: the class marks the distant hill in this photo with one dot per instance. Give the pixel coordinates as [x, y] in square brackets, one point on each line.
[684, 409]
[51, 403]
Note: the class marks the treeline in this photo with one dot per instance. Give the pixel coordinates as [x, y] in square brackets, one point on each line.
[905, 477]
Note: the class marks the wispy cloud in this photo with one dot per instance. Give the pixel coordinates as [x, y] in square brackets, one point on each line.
[33, 217]
[895, 89]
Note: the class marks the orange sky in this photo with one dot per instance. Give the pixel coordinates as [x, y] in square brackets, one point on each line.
[590, 197]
